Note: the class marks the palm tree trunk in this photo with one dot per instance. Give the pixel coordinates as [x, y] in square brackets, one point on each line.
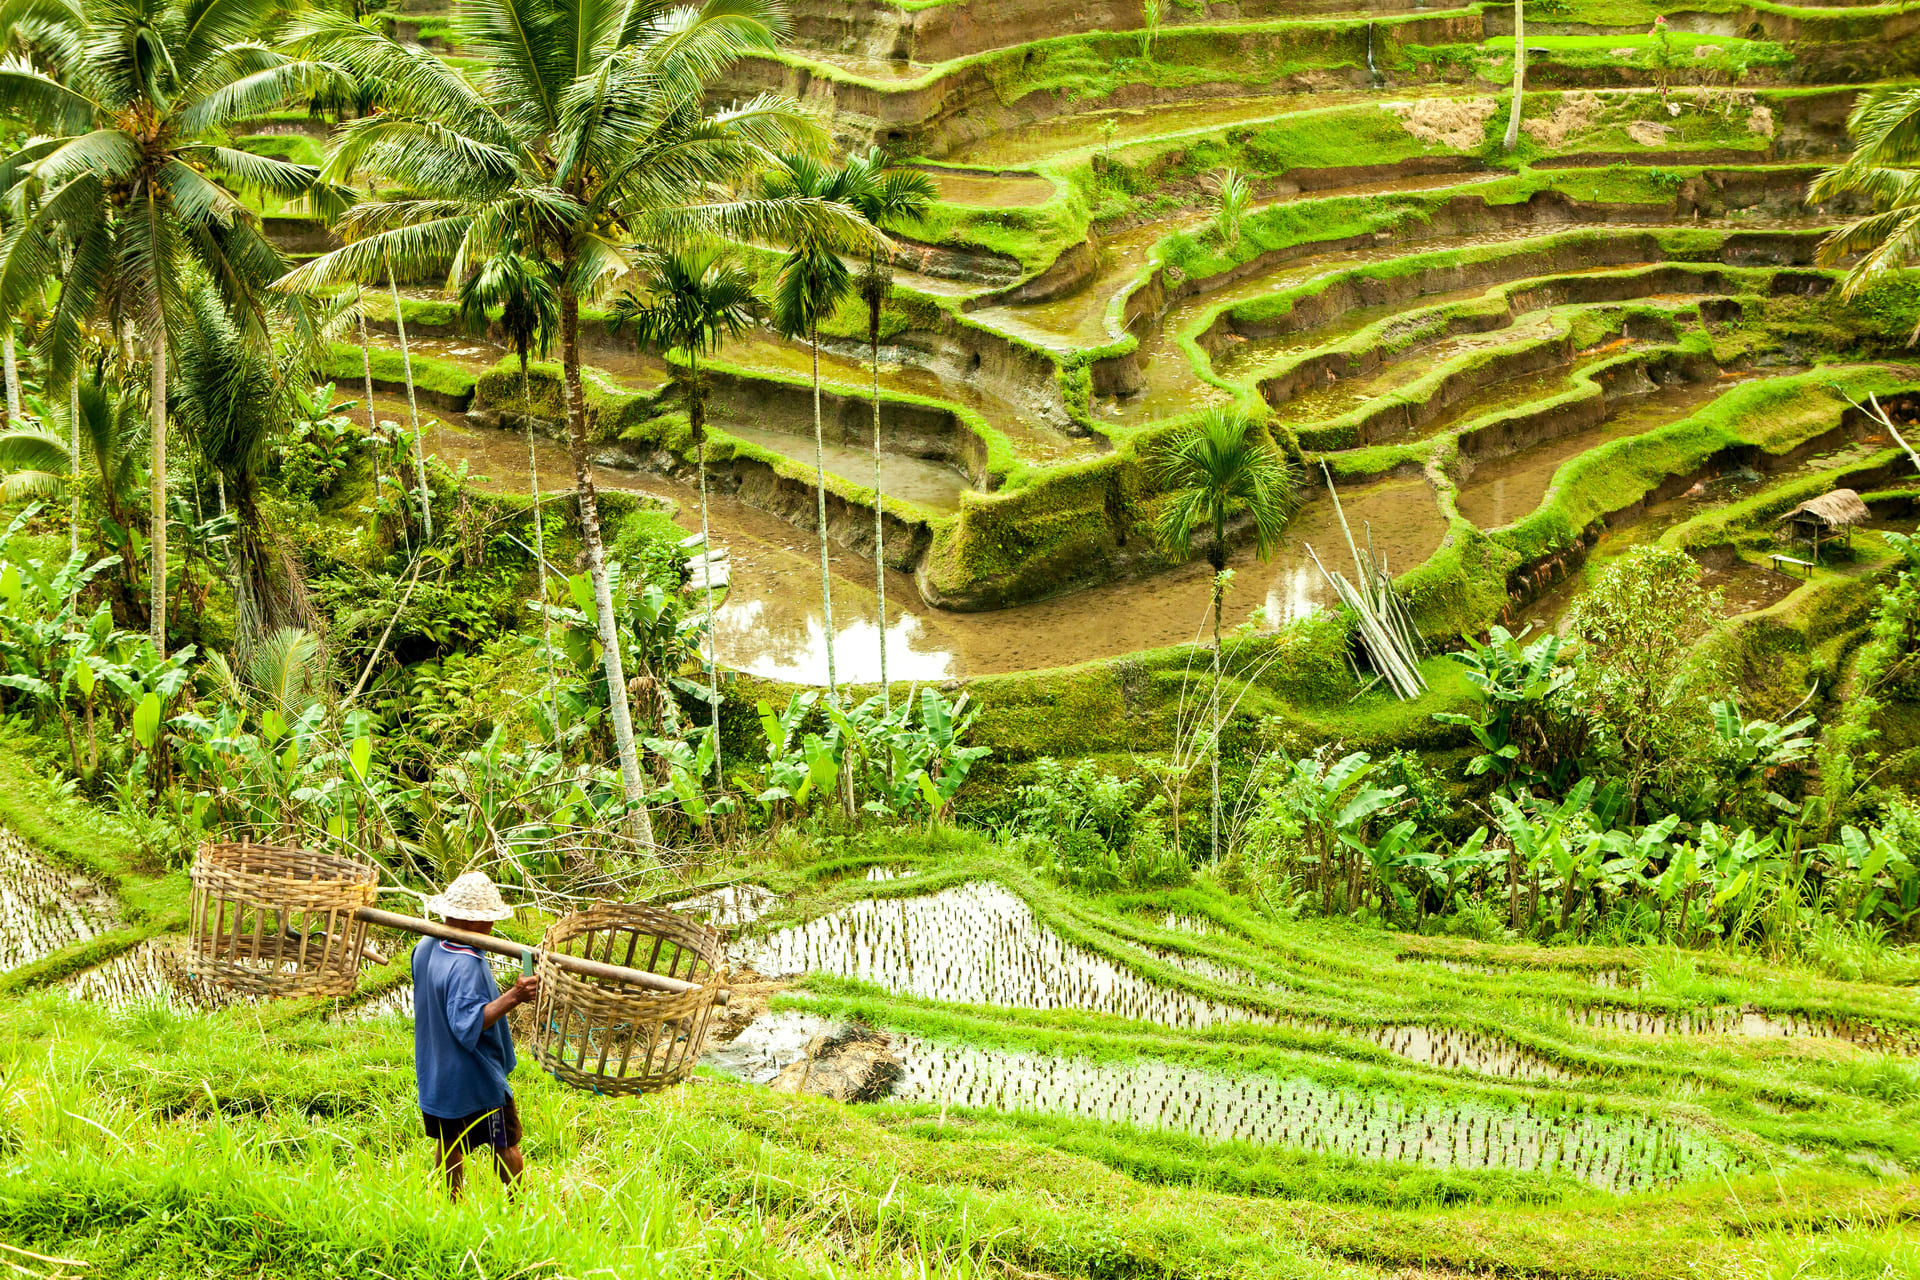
[73, 458]
[697, 415]
[373, 427]
[879, 517]
[1519, 73]
[157, 535]
[1219, 593]
[820, 494]
[540, 554]
[609, 631]
[413, 411]
[13, 378]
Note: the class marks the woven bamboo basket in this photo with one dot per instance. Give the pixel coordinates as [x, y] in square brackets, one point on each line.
[612, 1037]
[269, 920]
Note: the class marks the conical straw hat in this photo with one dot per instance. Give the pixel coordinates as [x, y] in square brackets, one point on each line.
[471, 897]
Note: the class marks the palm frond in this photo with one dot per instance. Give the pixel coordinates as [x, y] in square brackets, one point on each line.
[42, 103]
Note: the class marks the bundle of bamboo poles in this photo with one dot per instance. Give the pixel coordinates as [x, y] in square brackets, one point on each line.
[1384, 622]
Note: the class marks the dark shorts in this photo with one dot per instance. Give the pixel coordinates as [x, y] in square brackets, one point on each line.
[498, 1128]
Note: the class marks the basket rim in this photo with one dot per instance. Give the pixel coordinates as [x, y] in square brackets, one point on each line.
[220, 856]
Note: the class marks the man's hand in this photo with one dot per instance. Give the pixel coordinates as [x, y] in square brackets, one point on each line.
[523, 991]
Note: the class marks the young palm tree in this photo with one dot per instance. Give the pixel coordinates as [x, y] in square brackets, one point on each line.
[1222, 468]
[124, 101]
[694, 299]
[1232, 197]
[589, 132]
[1884, 166]
[529, 310]
[812, 282]
[888, 198]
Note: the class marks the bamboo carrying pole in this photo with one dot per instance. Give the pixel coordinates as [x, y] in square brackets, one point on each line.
[506, 947]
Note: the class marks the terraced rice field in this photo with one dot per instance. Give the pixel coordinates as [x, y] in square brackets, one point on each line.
[1632, 284]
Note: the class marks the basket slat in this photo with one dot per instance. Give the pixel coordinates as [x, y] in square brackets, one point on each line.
[614, 1038]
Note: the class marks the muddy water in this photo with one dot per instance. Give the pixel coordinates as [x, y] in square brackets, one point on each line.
[730, 906]
[1498, 491]
[990, 190]
[771, 624]
[770, 621]
[1752, 1023]
[977, 943]
[43, 908]
[1619, 1153]
[931, 484]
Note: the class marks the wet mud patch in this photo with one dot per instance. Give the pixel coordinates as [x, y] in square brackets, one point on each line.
[44, 908]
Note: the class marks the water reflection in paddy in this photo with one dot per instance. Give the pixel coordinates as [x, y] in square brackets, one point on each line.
[977, 943]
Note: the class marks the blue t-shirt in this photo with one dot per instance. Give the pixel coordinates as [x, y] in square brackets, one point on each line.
[462, 1065]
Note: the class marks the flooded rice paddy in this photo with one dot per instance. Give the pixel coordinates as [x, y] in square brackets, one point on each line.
[980, 944]
[1496, 492]
[1616, 1152]
[43, 908]
[1752, 1023]
[977, 943]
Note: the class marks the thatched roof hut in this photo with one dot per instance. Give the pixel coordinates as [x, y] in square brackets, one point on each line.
[1831, 511]
[1825, 517]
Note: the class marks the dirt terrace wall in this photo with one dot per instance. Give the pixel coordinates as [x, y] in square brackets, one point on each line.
[1537, 576]
[869, 29]
[848, 523]
[1461, 215]
[1831, 47]
[1025, 380]
[912, 430]
[1318, 370]
[983, 97]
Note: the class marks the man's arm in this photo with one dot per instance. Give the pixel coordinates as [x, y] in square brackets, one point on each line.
[523, 991]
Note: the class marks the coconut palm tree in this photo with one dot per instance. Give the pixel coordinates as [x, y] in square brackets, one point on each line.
[529, 312]
[1884, 167]
[813, 281]
[888, 198]
[1220, 469]
[229, 399]
[692, 300]
[588, 132]
[124, 102]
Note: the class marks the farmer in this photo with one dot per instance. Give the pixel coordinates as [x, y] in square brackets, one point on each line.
[462, 1049]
